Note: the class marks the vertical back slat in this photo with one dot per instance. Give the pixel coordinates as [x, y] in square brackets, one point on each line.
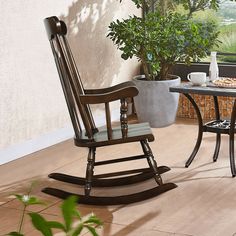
[108, 121]
[79, 84]
[74, 85]
[68, 95]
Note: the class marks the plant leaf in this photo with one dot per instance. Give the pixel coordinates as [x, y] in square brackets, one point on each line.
[28, 200]
[91, 230]
[68, 210]
[77, 214]
[18, 196]
[15, 234]
[40, 224]
[56, 225]
[78, 230]
[34, 201]
[93, 219]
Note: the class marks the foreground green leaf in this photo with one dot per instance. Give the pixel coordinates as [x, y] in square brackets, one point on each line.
[28, 200]
[91, 230]
[93, 220]
[68, 210]
[40, 224]
[56, 225]
[15, 234]
[78, 230]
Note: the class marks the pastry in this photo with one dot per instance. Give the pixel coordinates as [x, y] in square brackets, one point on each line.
[225, 82]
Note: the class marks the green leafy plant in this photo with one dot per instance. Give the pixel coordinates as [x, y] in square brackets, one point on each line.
[26, 201]
[161, 37]
[73, 223]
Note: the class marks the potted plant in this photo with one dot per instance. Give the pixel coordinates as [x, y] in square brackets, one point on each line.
[159, 39]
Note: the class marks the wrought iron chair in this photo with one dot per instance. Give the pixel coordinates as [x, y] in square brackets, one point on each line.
[78, 100]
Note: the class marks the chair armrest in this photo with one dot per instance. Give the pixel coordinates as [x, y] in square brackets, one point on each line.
[107, 95]
[110, 89]
[117, 92]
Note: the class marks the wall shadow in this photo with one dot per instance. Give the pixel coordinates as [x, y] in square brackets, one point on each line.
[95, 54]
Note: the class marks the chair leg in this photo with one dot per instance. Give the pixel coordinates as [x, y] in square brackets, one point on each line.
[151, 161]
[89, 171]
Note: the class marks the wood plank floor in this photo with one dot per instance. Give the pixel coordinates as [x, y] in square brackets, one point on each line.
[204, 204]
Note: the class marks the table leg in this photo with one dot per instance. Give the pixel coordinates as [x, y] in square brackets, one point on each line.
[231, 139]
[218, 135]
[200, 130]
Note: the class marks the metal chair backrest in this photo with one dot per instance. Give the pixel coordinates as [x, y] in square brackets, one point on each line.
[69, 77]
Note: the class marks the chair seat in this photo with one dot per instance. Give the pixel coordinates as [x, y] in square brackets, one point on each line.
[136, 132]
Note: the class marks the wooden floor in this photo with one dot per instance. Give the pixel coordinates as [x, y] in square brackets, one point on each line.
[204, 204]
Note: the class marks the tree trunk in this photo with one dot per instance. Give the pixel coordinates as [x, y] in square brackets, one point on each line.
[165, 68]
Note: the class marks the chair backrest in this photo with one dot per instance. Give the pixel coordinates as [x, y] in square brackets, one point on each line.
[70, 77]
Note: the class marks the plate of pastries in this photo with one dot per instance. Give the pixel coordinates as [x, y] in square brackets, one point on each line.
[225, 82]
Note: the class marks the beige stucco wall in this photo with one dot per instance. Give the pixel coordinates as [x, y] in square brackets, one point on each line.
[31, 101]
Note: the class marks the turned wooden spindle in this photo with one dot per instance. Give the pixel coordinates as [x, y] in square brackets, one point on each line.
[124, 117]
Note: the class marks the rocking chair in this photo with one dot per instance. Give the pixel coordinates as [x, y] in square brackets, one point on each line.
[78, 100]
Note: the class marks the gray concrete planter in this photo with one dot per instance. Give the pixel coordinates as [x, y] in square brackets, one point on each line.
[154, 103]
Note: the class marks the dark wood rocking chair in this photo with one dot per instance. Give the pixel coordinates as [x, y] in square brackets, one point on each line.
[78, 100]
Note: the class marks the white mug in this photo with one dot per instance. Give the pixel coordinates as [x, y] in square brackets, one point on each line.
[197, 78]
